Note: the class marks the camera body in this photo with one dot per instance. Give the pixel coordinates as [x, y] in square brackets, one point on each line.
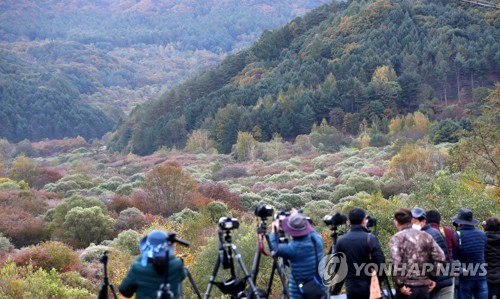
[228, 223]
[281, 215]
[264, 211]
[335, 219]
[371, 221]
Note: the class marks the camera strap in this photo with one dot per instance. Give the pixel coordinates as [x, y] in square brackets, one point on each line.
[260, 239]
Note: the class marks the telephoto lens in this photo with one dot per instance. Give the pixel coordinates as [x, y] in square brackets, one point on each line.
[335, 219]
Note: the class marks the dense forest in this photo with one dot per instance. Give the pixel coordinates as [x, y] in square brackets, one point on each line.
[350, 63]
[74, 68]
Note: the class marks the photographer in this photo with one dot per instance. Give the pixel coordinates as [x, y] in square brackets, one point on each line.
[299, 252]
[359, 247]
[147, 272]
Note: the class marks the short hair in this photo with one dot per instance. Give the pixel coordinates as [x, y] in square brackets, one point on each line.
[403, 216]
[492, 224]
[433, 216]
[356, 215]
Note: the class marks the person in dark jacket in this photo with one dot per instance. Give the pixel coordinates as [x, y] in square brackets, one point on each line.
[359, 247]
[147, 272]
[492, 256]
[434, 220]
[299, 251]
[444, 281]
[470, 253]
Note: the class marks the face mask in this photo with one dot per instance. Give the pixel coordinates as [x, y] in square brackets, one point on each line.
[416, 226]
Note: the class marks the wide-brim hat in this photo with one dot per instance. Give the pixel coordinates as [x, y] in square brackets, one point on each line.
[465, 216]
[153, 245]
[418, 213]
[296, 225]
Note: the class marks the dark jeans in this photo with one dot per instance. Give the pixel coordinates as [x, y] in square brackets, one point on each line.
[416, 293]
[476, 288]
[493, 290]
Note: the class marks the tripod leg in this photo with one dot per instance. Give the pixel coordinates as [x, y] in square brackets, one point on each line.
[193, 284]
[113, 291]
[214, 274]
[255, 266]
[247, 275]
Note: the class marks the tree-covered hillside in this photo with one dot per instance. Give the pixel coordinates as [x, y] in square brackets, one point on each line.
[345, 62]
[113, 55]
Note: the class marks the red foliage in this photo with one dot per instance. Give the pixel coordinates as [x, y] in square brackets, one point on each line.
[200, 201]
[47, 256]
[20, 227]
[139, 199]
[119, 203]
[47, 175]
[46, 148]
[221, 192]
[171, 162]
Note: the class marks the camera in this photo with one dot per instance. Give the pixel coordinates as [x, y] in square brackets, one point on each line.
[264, 211]
[228, 223]
[371, 221]
[335, 219]
[281, 215]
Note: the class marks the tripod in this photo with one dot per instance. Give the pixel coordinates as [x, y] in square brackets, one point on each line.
[164, 292]
[334, 289]
[103, 290]
[278, 263]
[232, 287]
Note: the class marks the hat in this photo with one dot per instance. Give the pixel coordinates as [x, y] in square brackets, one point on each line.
[418, 213]
[153, 245]
[296, 225]
[464, 216]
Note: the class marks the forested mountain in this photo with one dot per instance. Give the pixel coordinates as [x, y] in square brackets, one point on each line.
[346, 62]
[71, 68]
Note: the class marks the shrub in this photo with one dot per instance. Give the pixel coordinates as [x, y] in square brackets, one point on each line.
[396, 187]
[317, 210]
[138, 177]
[341, 191]
[249, 201]
[22, 228]
[49, 255]
[131, 218]
[119, 203]
[215, 210]
[220, 192]
[127, 240]
[184, 215]
[125, 189]
[92, 253]
[286, 202]
[363, 184]
[5, 245]
[85, 225]
[230, 172]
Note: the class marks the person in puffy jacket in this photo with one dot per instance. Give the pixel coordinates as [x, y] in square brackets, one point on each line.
[492, 256]
[299, 251]
[147, 272]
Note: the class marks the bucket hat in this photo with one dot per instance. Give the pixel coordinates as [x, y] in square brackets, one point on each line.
[153, 245]
[296, 225]
[464, 216]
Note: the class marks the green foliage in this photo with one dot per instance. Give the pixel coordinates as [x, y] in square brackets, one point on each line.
[317, 210]
[37, 283]
[214, 210]
[341, 191]
[368, 185]
[5, 245]
[127, 241]
[87, 225]
[130, 218]
[444, 131]
[184, 215]
[92, 253]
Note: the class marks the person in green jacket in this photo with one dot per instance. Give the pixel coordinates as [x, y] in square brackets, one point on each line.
[147, 272]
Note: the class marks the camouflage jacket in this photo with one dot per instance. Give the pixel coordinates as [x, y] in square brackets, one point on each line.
[414, 255]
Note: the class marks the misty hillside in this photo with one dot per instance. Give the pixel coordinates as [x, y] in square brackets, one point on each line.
[113, 55]
[350, 63]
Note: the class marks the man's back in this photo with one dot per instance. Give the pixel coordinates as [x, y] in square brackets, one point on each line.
[410, 249]
[470, 249]
[357, 246]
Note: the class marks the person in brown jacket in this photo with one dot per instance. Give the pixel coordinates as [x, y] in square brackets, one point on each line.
[414, 255]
